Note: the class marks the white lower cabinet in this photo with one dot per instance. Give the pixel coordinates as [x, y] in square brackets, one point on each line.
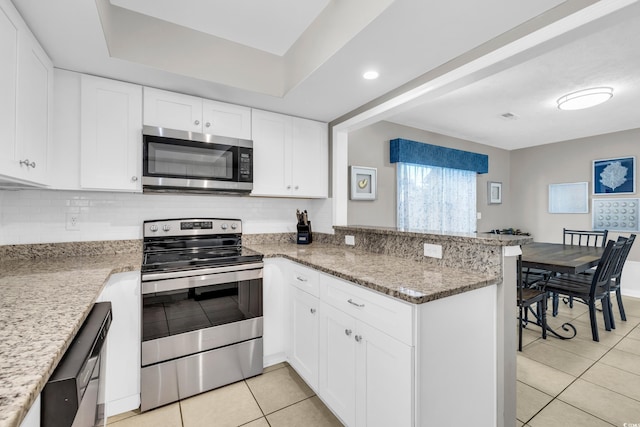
[366, 377]
[303, 355]
[275, 311]
[32, 419]
[123, 343]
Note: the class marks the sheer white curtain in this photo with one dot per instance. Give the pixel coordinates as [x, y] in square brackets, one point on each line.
[436, 199]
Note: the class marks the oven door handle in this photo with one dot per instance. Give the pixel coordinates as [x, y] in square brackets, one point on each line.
[148, 277]
[163, 285]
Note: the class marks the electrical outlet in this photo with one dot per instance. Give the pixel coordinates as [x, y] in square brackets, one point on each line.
[73, 220]
[349, 240]
[479, 215]
[433, 251]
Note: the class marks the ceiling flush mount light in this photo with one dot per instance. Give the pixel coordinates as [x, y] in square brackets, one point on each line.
[371, 75]
[585, 98]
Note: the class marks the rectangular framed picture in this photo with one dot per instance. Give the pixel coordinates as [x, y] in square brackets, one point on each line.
[571, 197]
[614, 176]
[494, 193]
[363, 183]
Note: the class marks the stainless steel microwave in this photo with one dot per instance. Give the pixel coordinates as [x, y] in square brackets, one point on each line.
[181, 161]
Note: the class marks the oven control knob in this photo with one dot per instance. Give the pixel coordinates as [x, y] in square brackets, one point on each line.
[223, 226]
[166, 227]
[234, 226]
[153, 228]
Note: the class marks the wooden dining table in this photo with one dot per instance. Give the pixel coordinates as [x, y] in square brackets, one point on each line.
[558, 258]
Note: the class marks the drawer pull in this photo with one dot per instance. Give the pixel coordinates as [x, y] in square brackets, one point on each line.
[347, 332]
[301, 279]
[358, 338]
[313, 311]
[350, 301]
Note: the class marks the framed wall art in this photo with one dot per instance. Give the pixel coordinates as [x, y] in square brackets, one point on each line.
[494, 193]
[363, 183]
[614, 176]
[571, 197]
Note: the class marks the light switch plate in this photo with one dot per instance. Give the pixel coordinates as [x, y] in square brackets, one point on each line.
[433, 251]
[349, 240]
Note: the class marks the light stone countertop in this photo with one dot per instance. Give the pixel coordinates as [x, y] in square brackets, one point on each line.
[43, 303]
[408, 280]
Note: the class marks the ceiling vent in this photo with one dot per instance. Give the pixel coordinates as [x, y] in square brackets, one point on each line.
[509, 116]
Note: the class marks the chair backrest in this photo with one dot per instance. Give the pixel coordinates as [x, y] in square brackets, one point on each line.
[607, 265]
[628, 242]
[584, 237]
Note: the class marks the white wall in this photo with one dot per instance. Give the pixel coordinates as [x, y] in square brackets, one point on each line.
[38, 216]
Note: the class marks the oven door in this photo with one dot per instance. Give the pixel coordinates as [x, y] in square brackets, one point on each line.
[218, 164]
[188, 315]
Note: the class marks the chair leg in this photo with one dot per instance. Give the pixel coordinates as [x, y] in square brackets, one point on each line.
[592, 319]
[542, 307]
[623, 316]
[570, 302]
[606, 313]
[554, 302]
[520, 329]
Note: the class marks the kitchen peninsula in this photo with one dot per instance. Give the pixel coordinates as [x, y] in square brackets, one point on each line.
[44, 300]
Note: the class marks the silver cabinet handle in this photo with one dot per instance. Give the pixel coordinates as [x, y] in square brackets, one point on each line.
[313, 311]
[27, 163]
[350, 301]
[197, 122]
[134, 178]
[347, 332]
[301, 279]
[208, 124]
[358, 338]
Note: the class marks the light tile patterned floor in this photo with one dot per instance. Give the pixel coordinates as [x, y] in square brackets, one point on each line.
[277, 398]
[560, 383]
[580, 382]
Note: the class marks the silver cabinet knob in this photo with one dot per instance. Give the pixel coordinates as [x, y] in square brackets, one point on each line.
[207, 124]
[347, 332]
[296, 187]
[27, 163]
[288, 187]
[134, 178]
[313, 311]
[197, 122]
[358, 338]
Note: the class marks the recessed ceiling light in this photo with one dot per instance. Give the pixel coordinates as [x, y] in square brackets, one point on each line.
[371, 75]
[585, 98]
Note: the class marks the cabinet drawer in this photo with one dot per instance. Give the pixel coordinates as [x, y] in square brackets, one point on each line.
[305, 279]
[391, 316]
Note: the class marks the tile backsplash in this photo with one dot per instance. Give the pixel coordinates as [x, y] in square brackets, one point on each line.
[40, 216]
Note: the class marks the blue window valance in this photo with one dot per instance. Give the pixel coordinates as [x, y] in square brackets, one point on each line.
[419, 153]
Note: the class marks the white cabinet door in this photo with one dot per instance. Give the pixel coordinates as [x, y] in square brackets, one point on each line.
[272, 135]
[111, 134]
[8, 89]
[338, 362]
[304, 336]
[384, 379]
[123, 343]
[172, 110]
[310, 161]
[33, 124]
[275, 311]
[219, 118]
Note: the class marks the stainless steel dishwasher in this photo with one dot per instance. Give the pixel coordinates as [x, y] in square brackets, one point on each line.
[74, 394]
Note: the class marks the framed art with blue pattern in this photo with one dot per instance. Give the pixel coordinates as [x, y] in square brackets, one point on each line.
[614, 176]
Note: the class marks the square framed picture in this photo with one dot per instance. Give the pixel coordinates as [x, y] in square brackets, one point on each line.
[614, 176]
[363, 183]
[494, 193]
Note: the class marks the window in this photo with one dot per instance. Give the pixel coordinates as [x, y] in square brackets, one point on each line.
[436, 199]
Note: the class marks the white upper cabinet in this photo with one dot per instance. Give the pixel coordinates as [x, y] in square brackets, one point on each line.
[290, 156]
[26, 87]
[110, 135]
[177, 111]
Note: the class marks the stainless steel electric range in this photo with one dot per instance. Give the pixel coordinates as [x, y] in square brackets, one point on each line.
[201, 308]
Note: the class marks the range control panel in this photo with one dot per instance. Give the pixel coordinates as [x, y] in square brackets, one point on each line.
[191, 227]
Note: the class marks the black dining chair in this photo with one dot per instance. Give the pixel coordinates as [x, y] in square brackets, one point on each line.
[529, 295]
[593, 238]
[616, 277]
[590, 288]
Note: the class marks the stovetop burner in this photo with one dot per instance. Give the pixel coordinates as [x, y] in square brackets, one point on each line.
[191, 244]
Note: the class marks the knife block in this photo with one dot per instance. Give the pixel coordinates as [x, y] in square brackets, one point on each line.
[304, 234]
